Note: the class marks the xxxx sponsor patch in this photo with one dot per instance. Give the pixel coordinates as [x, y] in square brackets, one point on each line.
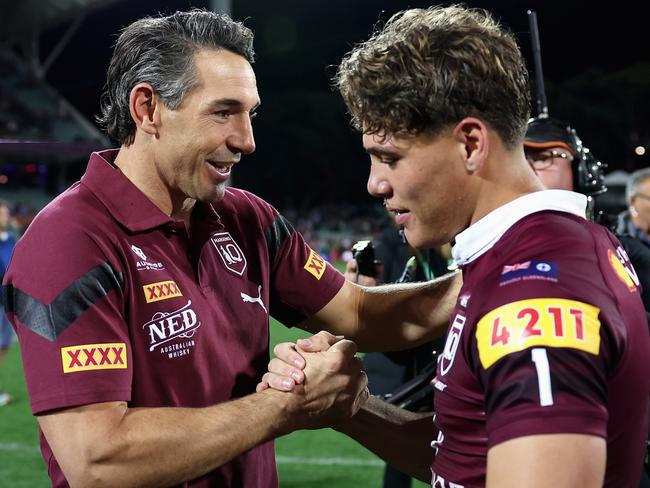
[315, 265]
[551, 322]
[162, 290]
[89, 357]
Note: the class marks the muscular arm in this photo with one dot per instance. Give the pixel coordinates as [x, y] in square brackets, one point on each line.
[109, 444]
[389, 317]
[544, 461]
[399, 437]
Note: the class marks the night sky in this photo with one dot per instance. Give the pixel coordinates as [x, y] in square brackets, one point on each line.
[593, 64]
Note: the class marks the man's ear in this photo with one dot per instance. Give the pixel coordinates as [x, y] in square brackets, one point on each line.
[472, 133]
[142, 105]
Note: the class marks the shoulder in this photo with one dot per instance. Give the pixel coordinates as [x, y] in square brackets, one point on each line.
[547, 255]
[549, 232]
[77, 207]
[240, 208]
[245, 204]
[70, 236]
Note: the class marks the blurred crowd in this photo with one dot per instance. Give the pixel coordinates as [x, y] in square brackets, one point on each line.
[332, 229]
[22, 213]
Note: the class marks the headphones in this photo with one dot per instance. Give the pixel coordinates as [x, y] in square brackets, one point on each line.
[588, 171]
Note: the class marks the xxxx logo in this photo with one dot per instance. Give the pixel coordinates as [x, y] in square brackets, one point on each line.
[88, 357]
[315, 265]
[162, 290]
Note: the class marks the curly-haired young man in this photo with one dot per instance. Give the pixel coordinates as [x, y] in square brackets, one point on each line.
[543, 381]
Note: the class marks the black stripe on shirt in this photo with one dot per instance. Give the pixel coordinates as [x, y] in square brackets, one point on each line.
[49, 321]
[276, 234]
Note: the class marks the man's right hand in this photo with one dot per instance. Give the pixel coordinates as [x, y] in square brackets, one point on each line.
[332, 384]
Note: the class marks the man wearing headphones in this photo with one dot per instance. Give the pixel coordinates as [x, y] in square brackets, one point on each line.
[562, 162]
[556, 153]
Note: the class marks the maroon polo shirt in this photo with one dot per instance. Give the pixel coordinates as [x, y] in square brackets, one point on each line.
[548, 336]
[111, 300]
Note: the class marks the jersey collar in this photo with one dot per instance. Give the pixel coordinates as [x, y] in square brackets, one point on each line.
[124, 201]
[479, 238]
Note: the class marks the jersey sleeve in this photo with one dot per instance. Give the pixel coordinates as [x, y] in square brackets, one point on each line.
[302, 282]
[543, 356]
[65, 298]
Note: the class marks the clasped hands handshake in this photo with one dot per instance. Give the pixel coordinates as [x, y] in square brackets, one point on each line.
[322, 375]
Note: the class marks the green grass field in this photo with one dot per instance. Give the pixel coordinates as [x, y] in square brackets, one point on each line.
[305, 459]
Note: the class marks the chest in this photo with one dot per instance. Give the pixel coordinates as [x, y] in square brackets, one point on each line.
[197, 310]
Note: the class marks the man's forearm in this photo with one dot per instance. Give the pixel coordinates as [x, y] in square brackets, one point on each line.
[399, 437]
[390, 317]
[421, 312]
[161, 446]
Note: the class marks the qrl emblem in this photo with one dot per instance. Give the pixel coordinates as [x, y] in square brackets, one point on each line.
[231, 255]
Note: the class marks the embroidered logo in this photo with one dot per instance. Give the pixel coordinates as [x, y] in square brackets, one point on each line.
[138, 252]
[315, 265]
[143, 263]
[249, 299]
[231, 254]
[165, 327]
[89, 357]
[161, 290]
[446, 359]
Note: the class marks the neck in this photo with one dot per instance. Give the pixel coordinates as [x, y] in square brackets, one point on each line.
[505, 176]
[138, 165]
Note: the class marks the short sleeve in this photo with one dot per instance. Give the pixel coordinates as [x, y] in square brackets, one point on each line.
[543, 358]
[302, 282]
[65, 299]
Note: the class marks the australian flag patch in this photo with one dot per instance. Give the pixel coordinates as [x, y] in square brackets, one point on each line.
[529, 270]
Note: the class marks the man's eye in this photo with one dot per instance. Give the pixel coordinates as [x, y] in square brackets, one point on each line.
[253, 115]
[223, 113]
[389, 161]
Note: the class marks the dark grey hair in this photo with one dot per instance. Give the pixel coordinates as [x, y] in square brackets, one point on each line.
[635, 180]
[160, 51]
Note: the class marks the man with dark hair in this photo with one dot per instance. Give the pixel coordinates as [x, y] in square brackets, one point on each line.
[543, 381]
[141, 295]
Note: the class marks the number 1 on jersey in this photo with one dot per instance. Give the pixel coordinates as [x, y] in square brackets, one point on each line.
[543, 376]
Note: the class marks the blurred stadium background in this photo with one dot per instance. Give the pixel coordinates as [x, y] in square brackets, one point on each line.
[53, 57]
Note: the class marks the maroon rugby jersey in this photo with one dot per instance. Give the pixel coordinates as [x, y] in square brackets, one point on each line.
[112, 301]
[549, 335]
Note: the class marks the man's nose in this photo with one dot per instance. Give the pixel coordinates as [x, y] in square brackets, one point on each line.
[378, 185]
[241, 140]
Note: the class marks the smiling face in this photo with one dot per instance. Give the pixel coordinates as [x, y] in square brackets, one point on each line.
[423, 182]
[198, 143]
